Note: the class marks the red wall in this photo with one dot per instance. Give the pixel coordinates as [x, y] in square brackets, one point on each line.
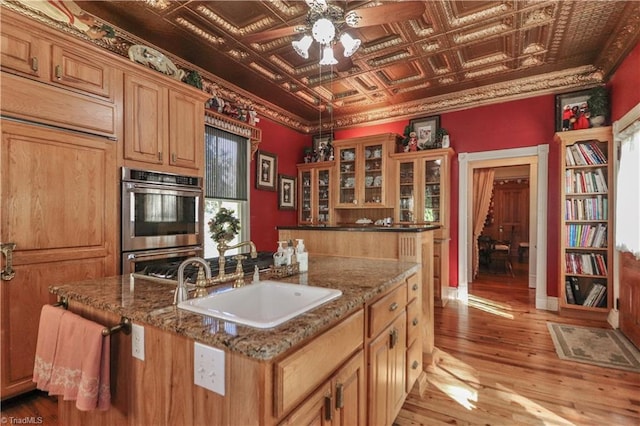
[520, 123]
[288, 145]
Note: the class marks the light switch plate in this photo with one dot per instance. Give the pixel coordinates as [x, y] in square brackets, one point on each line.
[208, 368]
[137, 341]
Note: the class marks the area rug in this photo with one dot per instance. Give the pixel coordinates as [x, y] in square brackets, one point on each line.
[598, 346]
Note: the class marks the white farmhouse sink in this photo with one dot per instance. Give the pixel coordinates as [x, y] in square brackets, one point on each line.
[262, 305]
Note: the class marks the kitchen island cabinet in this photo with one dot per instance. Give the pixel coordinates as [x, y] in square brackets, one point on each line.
[312, 366]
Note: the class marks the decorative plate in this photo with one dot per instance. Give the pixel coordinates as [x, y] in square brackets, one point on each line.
[155, 60]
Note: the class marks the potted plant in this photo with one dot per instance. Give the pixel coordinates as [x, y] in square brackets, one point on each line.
[440, 134]
[598, 106]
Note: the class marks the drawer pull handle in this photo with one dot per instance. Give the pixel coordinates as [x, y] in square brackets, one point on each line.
[339, 395]
[414, 287]
[393, 306]
[173, 157]
[415, 365]
[394, 338]
[58, 72]
[34, 63]
[414, 322]
[328, 408]
[159, 156]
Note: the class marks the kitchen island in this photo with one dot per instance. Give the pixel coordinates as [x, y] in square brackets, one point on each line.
[355, 348]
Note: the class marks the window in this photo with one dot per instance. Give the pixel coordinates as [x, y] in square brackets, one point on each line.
[226, 183]
[628, 191]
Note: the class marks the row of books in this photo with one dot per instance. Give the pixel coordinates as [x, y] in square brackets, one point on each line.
[584, 154]
[583, 235]
[592, 208]
[584, 181]
[595, 296]
[585, 264]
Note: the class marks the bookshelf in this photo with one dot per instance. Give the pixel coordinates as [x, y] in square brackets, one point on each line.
[586, 227]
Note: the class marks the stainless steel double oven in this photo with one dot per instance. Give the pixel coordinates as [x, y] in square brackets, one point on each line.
[162, 218]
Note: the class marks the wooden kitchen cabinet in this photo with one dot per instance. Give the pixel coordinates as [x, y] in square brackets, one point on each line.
[58, 189]
[363, 167]
[315, 182]
[54, 60]
[340, 401]
[423, 182]
[163, 123]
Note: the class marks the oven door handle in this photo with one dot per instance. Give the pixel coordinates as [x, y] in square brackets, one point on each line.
[137, 187]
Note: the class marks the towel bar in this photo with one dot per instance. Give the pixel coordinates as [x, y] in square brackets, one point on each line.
[124, 326]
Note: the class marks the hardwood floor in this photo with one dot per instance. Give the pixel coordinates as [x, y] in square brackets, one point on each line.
[497, 366]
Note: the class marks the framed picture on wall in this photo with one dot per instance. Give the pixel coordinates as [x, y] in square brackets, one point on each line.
[286, 192]
[571, 111]
[266, 171]
[426, 129]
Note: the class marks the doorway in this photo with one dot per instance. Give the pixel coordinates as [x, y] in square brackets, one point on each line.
[537, 160]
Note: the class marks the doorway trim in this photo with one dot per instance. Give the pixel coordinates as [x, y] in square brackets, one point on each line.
[537, 157]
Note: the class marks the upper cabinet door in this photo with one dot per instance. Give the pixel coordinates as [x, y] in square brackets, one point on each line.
[186, 130]
[145, 114]
[23, 52]
[79, 69]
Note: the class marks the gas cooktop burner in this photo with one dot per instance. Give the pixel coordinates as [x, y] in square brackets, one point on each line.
[169, 270]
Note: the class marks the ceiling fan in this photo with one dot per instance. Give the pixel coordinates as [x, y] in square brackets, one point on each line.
[325, 23]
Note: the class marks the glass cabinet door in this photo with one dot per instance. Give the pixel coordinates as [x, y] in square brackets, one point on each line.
[432, 191]
[305, 197]
[406, 192]
[347, 170]
[323, 196]
[373, 173]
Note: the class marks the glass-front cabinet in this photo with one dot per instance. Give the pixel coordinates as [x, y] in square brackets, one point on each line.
[422, 187]
[363, 171]
[314, 181]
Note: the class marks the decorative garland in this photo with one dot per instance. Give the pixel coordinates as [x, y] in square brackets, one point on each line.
[224, 225]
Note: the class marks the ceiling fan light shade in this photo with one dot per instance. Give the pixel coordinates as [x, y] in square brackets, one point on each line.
[302, 46]
[323, 31]
[350, 44]
[327, 56]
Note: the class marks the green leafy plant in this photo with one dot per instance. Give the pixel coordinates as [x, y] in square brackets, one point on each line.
[440, 133]
[598, 102]
[224, 225]
[194, 79]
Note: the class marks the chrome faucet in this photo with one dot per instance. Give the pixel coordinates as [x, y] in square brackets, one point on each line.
[182, 293]
[238, 275]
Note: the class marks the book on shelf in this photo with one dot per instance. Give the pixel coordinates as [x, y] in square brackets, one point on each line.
[575, 290]
[584, 154]
[594, 295]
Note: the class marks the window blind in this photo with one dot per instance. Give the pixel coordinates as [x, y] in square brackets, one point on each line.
[226, 174]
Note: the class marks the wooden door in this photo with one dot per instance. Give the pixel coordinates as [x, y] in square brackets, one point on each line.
[511, 214]
[23, 52]
[316, 410]
[145, 123]
[186, 131]
[59, 206]
[350, 394]
[630, 297]
[387, 372]
[79, 69]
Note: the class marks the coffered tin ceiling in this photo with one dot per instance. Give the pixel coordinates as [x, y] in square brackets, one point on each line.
[455, 55]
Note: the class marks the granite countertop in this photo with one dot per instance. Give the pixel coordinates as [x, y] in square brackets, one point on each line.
[148, 302]
[366, 228]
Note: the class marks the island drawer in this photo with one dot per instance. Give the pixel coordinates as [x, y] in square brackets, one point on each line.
[413, 287]
[383, 311]
[413, 321]
[307, 367]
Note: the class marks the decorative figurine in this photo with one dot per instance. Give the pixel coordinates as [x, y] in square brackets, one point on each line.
[413, 142]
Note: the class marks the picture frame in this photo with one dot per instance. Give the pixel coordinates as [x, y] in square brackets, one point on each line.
[574, 101]
[426, 129]
[287, 191]
[266, 170]
[320, 140]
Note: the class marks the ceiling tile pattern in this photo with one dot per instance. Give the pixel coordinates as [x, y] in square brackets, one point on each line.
[456, 54]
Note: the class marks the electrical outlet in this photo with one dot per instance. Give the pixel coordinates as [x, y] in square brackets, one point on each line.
[208, 368]
[137, 341]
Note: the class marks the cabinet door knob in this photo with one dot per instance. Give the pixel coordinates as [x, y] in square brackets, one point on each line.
[339, 395]
[415, 365]
[393, 306]
[415, 287]
[394, 338]
[7, 272]
[328, 408]
[414, 322]
[34, 63]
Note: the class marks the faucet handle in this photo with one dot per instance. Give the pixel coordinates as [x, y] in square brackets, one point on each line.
[239, 258]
